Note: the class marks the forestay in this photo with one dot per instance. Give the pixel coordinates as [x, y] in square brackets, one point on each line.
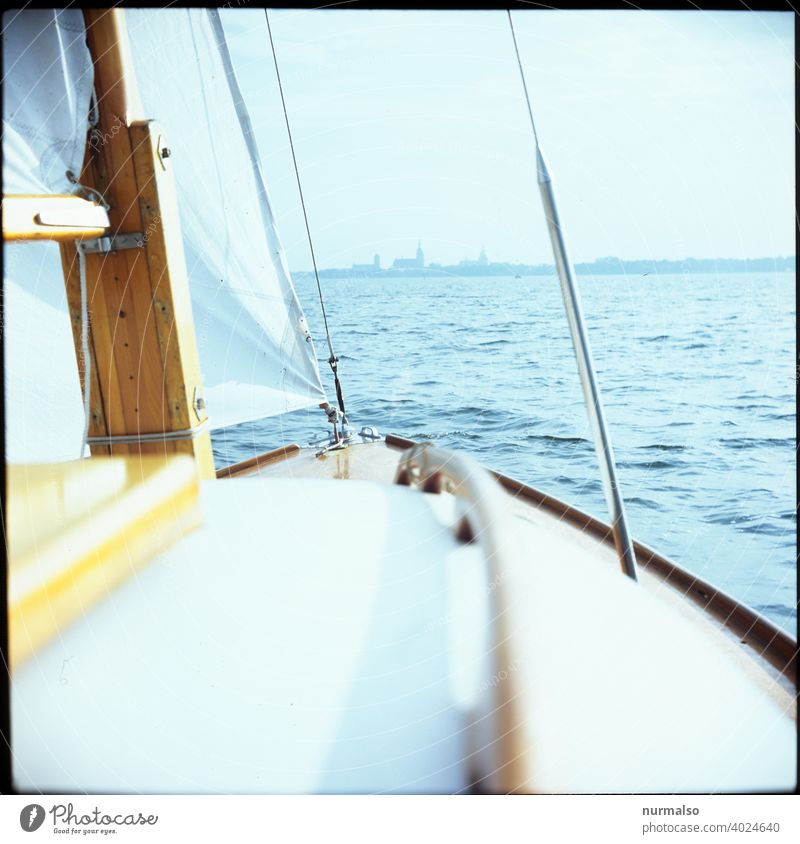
[257, 357]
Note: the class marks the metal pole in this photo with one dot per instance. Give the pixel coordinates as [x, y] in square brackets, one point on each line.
[583, 353]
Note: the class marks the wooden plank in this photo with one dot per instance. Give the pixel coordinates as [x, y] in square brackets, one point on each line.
[97, 419]
[251, 466]
[57, 217]
[171, 301]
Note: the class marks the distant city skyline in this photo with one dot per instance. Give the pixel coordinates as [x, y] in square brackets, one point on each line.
[668, 133]
[606, 265]
[418, 261]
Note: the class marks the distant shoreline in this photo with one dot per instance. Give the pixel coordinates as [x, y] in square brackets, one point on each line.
[602, 266]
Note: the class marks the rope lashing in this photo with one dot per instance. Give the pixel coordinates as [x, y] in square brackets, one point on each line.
[90, 193]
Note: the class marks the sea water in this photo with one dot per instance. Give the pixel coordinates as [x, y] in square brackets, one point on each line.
[697, 376]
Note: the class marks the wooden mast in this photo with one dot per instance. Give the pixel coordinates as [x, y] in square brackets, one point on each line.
[145, 369]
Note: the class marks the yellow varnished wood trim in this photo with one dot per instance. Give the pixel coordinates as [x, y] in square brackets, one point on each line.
[170, 299]
[253, 464]
[114, 74]
[57, 578]
[52, 217]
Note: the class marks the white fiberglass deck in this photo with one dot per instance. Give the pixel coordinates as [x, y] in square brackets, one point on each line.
[320, 636]
[298, 642]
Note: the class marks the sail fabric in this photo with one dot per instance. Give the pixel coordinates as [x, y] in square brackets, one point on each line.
[47, 89]
[44, 415]
[256, 354]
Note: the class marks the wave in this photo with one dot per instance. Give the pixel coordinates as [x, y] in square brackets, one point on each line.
[553, 438]
[643, 502]
[756, 442]
[651, 464]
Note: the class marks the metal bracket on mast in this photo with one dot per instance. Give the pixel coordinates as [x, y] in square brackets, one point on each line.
[111, 243]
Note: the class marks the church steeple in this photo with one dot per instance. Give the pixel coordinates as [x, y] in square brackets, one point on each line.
[420, 255]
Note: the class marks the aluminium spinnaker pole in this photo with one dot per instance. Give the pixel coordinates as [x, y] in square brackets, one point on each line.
[583, 352]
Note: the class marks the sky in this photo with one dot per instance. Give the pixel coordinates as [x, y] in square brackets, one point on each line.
[669, 134]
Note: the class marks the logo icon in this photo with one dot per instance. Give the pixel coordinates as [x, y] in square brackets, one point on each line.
[31, 817]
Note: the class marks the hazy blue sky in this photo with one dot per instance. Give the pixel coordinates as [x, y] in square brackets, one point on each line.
[669, 134]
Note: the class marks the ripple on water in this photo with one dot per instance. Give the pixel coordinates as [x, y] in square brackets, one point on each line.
[553, 438]
[648, 464]
[756, 442]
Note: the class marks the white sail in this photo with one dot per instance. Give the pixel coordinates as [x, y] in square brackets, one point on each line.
[43, 405]
[47, 88]
[256, 355]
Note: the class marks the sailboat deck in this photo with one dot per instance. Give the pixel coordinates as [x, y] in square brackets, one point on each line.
[712, 612]
[317, 637]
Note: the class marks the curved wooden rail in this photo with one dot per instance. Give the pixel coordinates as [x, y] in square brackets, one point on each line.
[767, 640]
[501, 757]
[439, 470]
[523, 724]
[253, 464]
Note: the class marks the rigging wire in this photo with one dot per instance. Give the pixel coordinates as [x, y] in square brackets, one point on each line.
[85, 353]
[522, 76]
[333, 361]
[96, 196]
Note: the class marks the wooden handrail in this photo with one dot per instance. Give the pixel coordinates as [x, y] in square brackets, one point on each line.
[519, 743]
[438, 470]
[765, 638]
[484, 520]
[253, 464]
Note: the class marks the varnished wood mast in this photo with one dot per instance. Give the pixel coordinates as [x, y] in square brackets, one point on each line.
[145, 367]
